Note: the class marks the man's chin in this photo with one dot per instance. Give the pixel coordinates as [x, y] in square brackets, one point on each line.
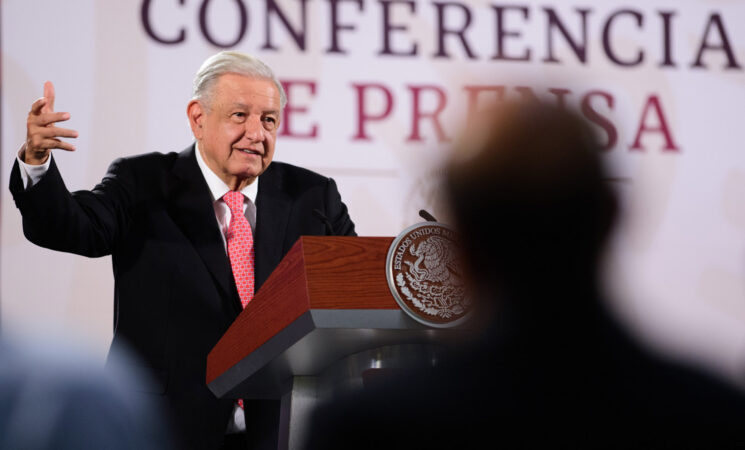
[249, 175]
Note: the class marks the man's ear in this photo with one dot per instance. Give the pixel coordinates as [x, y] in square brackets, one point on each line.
[195, 113]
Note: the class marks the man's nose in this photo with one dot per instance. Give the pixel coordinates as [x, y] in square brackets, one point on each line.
[254, 129]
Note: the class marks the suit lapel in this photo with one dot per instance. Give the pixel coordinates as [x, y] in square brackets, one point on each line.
[272, 214]
[190, 206]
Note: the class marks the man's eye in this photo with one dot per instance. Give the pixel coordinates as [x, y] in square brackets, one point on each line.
[269, 122]
[238, 115]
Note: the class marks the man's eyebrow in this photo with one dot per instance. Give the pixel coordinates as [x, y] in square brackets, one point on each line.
[243, 106]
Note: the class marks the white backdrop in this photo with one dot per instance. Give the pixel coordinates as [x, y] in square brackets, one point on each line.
[378, 90]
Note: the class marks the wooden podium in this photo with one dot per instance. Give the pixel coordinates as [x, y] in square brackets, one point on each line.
[323, 319]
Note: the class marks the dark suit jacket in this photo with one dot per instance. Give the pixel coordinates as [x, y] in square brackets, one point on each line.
[174, 291]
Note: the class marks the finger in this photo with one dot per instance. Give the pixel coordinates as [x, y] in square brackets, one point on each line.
[55, 143]
[45, 119]
[37, 105]
[49, 95]
[55, 132]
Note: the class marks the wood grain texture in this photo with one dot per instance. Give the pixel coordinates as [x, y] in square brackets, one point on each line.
[347, 272]
[319, 272]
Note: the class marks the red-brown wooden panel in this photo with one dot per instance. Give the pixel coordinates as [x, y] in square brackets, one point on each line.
[281, 300]
[319, 273]
[347, 272]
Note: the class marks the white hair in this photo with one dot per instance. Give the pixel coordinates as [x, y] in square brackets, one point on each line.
[232, 62]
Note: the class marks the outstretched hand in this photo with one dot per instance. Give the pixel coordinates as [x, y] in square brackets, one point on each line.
[41, 133]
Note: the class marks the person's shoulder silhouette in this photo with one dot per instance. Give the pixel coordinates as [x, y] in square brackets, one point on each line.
[54, 395]
[553, 368]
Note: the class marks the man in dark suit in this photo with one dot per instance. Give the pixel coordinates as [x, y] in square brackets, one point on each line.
[176, 254]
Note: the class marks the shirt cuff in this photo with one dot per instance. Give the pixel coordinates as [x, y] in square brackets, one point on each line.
[31, 174]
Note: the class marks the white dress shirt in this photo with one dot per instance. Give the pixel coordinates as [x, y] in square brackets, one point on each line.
[30, 175]
[218, 188]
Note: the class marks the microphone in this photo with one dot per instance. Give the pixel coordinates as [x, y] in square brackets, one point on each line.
[427, 216]
[320, 216]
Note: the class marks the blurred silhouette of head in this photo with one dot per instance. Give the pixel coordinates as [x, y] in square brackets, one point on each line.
[527, 190]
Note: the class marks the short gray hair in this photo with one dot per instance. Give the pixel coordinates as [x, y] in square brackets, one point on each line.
[232, 62]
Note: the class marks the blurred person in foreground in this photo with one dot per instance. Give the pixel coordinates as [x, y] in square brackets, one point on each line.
[55, 396]
[552, 367]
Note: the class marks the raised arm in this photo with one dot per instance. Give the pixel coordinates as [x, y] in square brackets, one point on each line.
[84, 222]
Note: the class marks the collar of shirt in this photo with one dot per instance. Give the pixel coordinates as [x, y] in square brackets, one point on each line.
[218, 188]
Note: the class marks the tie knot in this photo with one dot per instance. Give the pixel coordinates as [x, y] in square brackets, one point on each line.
[234, 200]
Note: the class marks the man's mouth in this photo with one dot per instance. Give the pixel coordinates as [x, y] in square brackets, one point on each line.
[249, 151]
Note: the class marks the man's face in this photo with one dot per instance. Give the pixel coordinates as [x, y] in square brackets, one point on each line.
[237, 127]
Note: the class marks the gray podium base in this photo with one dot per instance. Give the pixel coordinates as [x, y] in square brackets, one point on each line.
[303, 393]
[324, 353]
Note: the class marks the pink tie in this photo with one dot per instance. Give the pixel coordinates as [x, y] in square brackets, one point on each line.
[240, 247]
[240, 250]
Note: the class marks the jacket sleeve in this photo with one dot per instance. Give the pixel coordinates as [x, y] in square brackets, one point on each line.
[337, 213]
[88, 223]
